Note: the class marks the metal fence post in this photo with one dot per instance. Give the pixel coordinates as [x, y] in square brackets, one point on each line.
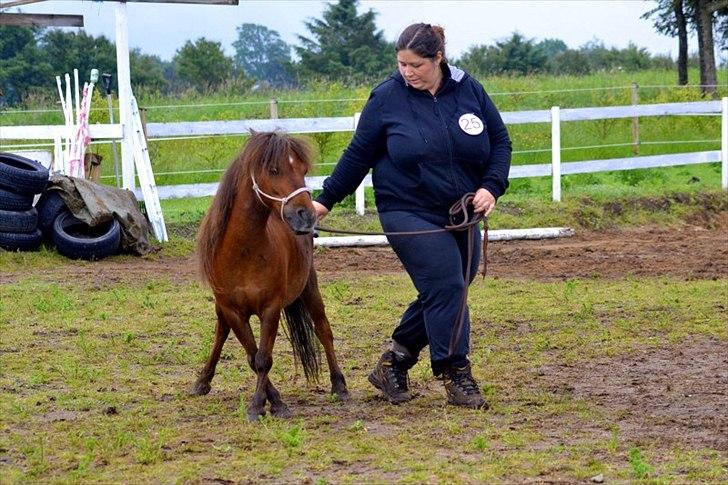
[724, 144]
[635, 121]
[556, 153]
[359, 194]
[274, 109]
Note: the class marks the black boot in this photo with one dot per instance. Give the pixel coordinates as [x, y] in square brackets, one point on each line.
[461, 388]
[390, 376]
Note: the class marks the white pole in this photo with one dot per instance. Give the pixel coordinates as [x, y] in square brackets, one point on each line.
[359, 194]
[724, 145]
[124, 80]
[556, 153]
[78, 99]
[69, 127]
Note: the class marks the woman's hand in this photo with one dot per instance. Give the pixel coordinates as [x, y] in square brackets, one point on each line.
[484, 202]
[320, 209]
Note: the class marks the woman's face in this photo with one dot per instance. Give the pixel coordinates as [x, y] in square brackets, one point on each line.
[420, 72]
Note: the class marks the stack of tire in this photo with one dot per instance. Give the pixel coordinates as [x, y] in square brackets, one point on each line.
[23, 227]
[72, 237]
[20, 180]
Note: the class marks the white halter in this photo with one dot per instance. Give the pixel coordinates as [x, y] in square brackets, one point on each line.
[282, 200]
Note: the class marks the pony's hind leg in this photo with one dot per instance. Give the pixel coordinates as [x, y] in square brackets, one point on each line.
[314, 303]
[244, 334]
[222, 330]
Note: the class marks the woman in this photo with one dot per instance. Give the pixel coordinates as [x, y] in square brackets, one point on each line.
[431, 134]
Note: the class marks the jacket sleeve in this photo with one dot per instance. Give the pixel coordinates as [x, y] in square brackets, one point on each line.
[495, 177]
[359, 156]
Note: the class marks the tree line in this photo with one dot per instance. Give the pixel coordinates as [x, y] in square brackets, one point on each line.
[344, 46]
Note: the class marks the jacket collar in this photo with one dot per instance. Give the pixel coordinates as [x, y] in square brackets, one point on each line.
[451, 77]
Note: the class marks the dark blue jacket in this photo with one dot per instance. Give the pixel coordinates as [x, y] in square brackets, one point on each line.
[421, 159]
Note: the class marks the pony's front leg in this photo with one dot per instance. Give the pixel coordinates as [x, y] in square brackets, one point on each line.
[222, 330]
[315, 305]
[243, 332]
[263, 363]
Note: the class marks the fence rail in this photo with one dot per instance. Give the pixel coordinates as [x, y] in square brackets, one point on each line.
[554, 116]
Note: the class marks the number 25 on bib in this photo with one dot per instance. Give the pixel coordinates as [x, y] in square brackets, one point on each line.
[471, 124]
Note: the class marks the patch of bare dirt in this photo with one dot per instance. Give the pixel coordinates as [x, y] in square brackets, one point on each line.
[691, 252]
[670, 396]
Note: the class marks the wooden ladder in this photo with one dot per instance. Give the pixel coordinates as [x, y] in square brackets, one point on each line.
[146, 176]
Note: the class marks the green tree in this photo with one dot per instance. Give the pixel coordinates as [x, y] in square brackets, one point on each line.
[344, 45]
[147, 72]
[66, 51]
[260, 53]
[572, 62]
[202, 64]
[22, 66]
[515, 55]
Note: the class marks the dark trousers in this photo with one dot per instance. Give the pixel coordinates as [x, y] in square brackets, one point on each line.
[436, 264]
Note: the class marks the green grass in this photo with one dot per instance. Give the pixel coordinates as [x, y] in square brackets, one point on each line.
[94, 372]
[169, 158]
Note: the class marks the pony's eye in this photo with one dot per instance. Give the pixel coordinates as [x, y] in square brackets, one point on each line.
[273, 171]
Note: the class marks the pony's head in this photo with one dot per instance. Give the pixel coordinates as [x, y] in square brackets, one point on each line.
[273, 166]
[277, 166]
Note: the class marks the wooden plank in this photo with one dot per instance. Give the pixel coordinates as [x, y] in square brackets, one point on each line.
[517, 171]
[41, 19]
[49, 132]
[17, 3]
[188, 2]
[147, 184]
[243, 127]
[632, 163]
[582, 114]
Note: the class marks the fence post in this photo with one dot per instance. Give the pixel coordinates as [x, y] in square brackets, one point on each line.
[124, 82]
[274, 109]
[359, 194]
[556, 153]
[635, 121]
[724, 144]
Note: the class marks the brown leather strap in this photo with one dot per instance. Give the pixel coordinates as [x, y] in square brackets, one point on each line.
[459, 209]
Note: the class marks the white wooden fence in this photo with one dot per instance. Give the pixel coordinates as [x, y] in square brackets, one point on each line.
[555, 116]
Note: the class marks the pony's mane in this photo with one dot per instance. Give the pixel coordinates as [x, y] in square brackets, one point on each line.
[263, 151]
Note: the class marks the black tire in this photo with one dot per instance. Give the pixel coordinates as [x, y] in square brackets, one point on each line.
[20, 241]
[49, 206]
[77, 240]
[10, 201]
[22, 175]
[19, 221]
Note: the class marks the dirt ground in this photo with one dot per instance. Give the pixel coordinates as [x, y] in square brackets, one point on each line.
[678, 393]
[690, 252]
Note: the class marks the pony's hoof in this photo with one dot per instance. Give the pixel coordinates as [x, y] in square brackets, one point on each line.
[254, 414]
[200, 389]
[342, 396]
[281, 411]
[340, 393]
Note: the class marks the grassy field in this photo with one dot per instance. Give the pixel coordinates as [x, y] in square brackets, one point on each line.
[172, 158]
[94, 371]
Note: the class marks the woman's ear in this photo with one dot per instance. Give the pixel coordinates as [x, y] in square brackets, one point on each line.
[438, 57]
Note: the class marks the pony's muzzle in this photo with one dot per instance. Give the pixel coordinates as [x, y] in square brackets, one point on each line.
[300, 219]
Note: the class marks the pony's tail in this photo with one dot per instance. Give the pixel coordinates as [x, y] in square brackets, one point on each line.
[303, 338]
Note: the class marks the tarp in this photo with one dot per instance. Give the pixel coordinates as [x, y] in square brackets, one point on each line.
[94, 204]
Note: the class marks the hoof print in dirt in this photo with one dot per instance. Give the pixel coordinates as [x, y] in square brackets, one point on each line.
[77, 240]
[22, 175]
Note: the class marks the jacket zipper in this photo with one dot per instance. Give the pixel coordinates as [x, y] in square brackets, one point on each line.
[448, 143]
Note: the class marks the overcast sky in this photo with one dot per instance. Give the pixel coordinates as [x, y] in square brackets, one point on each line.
[161, 29]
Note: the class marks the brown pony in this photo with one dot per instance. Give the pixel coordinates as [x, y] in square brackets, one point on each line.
[255, 249]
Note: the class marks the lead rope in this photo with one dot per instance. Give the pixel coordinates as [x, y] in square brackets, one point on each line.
[458, 208]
